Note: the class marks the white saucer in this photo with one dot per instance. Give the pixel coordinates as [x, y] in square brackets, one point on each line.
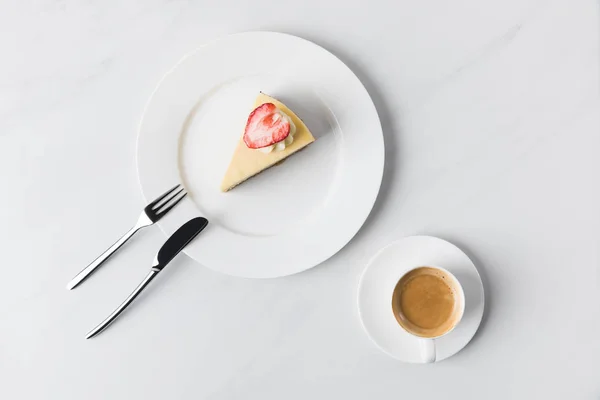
[382, 274]
[288, 218]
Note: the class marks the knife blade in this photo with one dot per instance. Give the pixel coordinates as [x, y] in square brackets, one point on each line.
[174, 244]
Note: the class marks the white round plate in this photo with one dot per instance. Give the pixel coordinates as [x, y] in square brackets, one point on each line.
[292, 216]
[380, 278]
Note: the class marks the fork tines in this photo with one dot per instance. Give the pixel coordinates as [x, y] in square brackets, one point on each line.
[166, 201]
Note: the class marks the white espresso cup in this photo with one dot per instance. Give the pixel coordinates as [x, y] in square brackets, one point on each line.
[428, 303]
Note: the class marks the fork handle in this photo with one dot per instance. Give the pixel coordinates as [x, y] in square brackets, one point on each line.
[90, 269]
[115, 314]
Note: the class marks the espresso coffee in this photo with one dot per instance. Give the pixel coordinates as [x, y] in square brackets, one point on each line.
[426, 302]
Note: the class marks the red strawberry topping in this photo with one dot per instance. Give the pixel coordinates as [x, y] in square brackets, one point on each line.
[265, 126]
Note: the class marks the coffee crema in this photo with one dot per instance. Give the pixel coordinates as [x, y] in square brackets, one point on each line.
[425, 302]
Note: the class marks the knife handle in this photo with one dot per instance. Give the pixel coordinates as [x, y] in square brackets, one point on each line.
[115, 314]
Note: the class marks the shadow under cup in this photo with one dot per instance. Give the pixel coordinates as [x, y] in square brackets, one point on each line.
[428, 302]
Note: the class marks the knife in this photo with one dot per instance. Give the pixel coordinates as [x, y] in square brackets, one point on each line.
[182, 236]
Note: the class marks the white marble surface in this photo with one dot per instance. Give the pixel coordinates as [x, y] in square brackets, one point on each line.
[491, 118]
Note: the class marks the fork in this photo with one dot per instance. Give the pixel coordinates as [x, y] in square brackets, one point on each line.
[151, 214]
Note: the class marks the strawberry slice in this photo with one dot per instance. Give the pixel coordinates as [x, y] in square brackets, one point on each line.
[266, 126]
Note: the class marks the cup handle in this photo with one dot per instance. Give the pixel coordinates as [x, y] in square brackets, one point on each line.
[427, 350]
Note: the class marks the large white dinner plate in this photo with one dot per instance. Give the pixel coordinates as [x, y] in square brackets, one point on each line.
[292, 216]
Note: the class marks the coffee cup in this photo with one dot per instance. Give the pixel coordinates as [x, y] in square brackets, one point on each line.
[428, 302]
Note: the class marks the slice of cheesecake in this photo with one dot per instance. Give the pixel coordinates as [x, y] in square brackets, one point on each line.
[273, 132]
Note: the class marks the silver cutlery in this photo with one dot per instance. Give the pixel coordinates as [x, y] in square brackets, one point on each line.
[167, 252]
[151, 213]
